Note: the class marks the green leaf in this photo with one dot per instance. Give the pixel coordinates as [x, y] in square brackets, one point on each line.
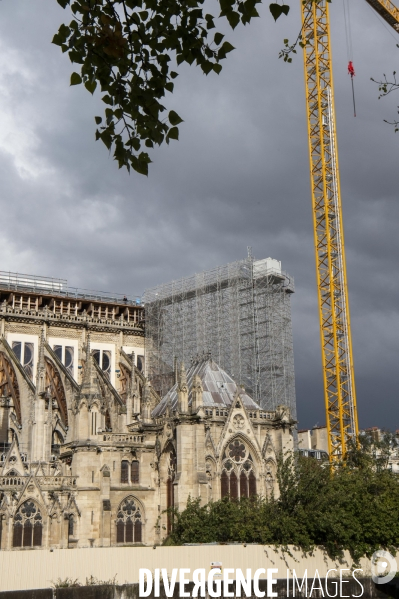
[277, 10]
[217, 67]
[63, 3]
[57, 40]
[174, 119]
[174, 75]
[218, 38]
[98, 120]
[173, 133]
[76, 79]
[233, 19]
[207, 67]
[91, 86]
[227, 47]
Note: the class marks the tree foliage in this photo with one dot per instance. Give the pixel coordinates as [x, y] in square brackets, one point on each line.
[130, 48]
[354, 507]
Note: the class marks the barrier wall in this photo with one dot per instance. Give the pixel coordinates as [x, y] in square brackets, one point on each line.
[38, 569]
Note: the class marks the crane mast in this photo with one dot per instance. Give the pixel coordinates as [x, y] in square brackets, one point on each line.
[337, 359]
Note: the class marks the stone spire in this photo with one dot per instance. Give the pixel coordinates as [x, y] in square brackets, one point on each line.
[89, 389]
[133, 397]
[41, 367]
[182, 391]
[196, 394]
[42, 419]
[146, 404]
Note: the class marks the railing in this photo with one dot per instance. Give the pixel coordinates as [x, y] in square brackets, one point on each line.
[14, 281]
[44, 481]
[71, 317]
[123, 438]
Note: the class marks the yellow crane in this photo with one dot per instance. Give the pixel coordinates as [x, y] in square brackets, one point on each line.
[336, 343]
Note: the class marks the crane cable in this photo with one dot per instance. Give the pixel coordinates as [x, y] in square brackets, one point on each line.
[349, 48]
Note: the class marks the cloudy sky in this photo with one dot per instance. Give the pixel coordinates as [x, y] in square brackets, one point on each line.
[238, 177]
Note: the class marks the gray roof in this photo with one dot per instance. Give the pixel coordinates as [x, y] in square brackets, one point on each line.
[219, 389]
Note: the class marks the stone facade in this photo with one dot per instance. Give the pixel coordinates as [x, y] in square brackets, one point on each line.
[90, 455]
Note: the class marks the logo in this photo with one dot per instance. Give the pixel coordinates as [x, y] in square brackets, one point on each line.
[383, 567]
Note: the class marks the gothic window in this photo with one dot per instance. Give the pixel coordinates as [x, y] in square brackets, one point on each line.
[124, 471]
[28, 526]
[65, 354]
[24, 351]
[135, 473]
[70, 525]
[129, 522]
[238, 479]
[140, 363]
[103, 359]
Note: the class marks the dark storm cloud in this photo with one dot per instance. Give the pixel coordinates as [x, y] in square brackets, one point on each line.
[237, 177]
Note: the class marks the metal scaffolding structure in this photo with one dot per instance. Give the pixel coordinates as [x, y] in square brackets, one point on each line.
[240, 314]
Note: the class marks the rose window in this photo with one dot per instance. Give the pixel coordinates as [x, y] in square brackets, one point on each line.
[237, 451]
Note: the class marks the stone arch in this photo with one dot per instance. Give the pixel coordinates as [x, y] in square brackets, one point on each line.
[247, 441]
[130, 521]
[56, 390]
[9, 384]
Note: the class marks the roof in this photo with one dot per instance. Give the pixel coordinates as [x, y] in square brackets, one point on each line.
[219, 389]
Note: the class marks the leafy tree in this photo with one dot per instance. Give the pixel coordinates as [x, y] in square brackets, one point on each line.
[353, 507]
[128, 48]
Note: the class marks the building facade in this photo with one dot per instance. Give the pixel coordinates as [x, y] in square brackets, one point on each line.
[90, 454]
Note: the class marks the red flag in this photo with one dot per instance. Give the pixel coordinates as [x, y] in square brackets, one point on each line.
[351, 70]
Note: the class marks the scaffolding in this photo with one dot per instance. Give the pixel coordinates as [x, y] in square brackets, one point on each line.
[240, 314]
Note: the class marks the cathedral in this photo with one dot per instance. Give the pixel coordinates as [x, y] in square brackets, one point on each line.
[90, 454]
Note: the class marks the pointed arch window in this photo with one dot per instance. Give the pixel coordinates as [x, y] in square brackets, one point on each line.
[129, 522]
[135, 473]
[71, 524]
[238, 478]
[28, 526]
[124, 471]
